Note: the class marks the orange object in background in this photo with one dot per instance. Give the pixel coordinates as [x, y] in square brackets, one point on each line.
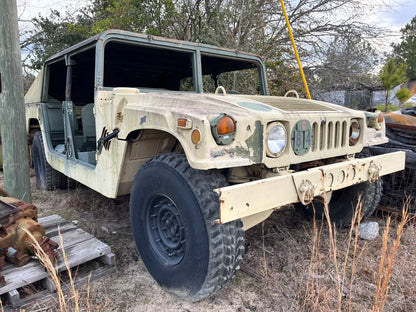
[16, 246]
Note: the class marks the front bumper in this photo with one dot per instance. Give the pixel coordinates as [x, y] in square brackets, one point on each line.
[243, 200]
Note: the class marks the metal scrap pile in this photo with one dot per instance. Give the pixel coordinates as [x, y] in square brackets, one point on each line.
[400, 188]
[16, 219]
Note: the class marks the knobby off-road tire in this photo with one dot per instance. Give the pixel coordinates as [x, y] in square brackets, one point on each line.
[47, 178]
[343, 203]
[172, 212]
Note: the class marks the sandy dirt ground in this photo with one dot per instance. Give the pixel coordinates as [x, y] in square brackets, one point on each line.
[286, 267]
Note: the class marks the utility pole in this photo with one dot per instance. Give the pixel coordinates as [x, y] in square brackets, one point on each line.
[12, 108]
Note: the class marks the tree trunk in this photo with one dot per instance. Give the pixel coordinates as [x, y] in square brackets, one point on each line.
[387, 100]
[12, 108]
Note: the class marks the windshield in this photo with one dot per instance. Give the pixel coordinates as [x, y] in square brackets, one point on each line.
[236, 76]
[128, 65]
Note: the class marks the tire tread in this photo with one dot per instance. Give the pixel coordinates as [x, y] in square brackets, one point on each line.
[52, 178]
[226, 241]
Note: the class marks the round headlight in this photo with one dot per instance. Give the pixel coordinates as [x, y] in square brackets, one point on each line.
[276, 139]
[354, 132]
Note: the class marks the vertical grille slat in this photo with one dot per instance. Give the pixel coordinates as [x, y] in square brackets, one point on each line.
[337, 134]
[344, 138]
[322, 135]
[315, 136]
[329, 135]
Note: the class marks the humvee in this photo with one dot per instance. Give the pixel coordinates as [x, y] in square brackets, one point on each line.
[190, 131]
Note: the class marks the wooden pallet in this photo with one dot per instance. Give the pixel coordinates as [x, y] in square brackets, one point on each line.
[80, 247]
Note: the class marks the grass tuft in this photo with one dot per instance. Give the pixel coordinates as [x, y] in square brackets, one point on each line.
[329, 265]
[66, 303]
[388, 255]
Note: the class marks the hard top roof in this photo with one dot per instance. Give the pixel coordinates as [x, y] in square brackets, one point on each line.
[144, 38]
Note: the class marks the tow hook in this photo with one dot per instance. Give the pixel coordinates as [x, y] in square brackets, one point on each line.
[373, 172]
[306, 192]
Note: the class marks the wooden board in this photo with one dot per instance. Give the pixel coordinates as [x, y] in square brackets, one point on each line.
[80, 247]
[394, 211]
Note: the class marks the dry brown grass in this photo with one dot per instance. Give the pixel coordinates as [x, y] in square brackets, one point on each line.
[388, 255]
[317, 292]
[336, 263]
[65, 304]
[295, 252]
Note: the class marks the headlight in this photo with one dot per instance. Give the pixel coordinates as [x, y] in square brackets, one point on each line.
[276, 139]
[354, 132]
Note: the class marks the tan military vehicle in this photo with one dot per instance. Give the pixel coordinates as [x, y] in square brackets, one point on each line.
[190, 132]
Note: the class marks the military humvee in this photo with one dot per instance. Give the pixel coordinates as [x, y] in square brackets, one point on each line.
[190, 132]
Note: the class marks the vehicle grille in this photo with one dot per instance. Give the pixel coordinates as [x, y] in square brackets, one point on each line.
[328, 135]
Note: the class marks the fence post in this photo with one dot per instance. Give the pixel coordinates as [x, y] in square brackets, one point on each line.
[12, 108]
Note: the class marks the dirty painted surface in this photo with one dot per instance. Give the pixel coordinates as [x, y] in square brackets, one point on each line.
[254, 150]
[129, 110]
[237, 201]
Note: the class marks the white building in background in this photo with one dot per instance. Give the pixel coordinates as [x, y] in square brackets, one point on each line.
[365, 97]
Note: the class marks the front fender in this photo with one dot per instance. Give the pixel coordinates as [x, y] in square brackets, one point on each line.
[129, 110]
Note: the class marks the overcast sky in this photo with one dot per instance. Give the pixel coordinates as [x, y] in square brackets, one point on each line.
[28, 9]
[400, 14]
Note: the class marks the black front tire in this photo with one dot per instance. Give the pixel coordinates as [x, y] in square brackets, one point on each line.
[47, 178]
[172, 211]
[344, 202]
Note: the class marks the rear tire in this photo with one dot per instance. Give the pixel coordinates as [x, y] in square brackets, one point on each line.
[344, 202]
[172, 211]
[47, 178]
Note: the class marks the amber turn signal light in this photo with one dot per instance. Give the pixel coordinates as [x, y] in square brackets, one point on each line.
[184, 123]
[225, 125]
[196, 136]
[223, 128]
[380, 118]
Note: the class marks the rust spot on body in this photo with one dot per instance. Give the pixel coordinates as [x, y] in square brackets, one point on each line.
[120, 116]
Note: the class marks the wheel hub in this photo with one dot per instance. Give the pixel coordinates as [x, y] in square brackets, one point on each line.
[165, 229]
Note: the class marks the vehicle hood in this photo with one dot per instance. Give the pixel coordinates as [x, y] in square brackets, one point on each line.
[263, 107]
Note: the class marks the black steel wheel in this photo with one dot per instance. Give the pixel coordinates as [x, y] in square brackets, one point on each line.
[47, 178]
[165, 229]
[172, 212]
